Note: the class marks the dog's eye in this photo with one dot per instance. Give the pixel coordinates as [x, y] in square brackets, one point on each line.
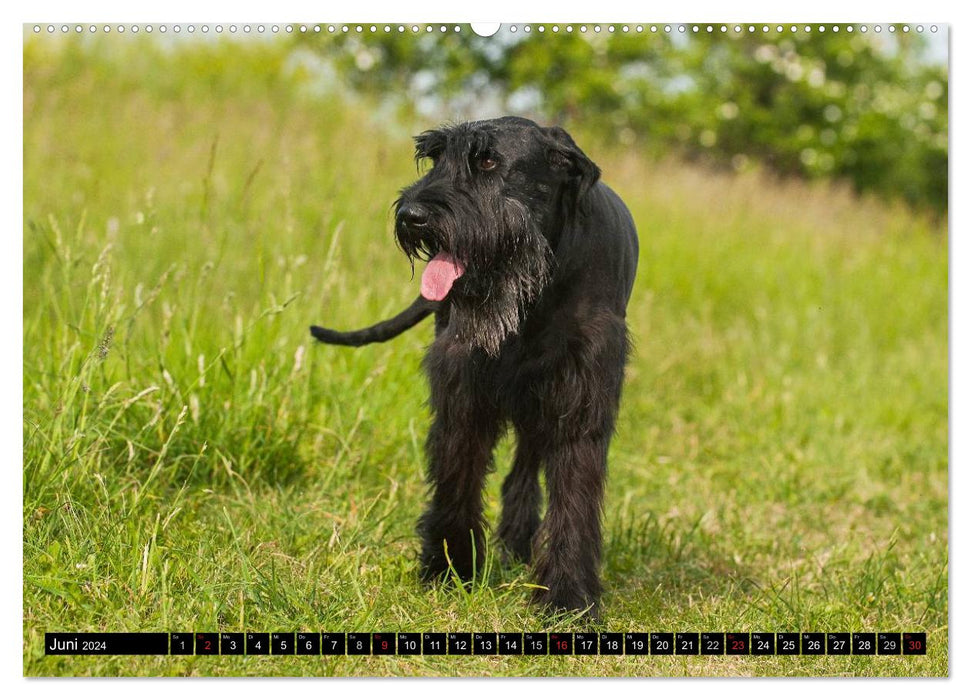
[486, 163]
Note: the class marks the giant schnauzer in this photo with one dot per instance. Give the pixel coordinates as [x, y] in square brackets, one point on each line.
[531, 260]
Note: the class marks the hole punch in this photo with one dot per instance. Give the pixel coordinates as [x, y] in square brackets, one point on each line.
[486, 29]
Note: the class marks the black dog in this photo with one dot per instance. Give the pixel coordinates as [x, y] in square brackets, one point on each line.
[531, 264]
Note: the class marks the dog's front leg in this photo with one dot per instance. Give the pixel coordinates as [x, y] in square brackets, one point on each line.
[459, 450]
[569, 546]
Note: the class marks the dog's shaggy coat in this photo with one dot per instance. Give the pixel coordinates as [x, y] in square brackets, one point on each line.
[531, 261]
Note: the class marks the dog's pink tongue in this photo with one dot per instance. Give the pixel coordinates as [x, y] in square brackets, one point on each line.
[439, 276]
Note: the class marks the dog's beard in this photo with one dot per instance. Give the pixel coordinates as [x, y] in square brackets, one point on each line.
[507, 260]
[489, 305]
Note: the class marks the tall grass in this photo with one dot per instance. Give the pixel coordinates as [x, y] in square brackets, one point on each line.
[193, 462]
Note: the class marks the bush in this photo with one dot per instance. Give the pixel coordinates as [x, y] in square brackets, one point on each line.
[868, 108]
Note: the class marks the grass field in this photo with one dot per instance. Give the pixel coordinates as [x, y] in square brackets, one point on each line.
[192, 461]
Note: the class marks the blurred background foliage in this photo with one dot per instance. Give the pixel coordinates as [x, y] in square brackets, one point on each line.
[870, 109]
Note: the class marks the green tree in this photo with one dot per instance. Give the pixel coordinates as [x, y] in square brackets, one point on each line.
[871, 109]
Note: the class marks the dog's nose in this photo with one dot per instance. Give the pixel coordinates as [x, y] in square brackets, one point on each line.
[413, 216]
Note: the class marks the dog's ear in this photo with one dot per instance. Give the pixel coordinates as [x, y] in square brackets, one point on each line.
[430, 144]
[566, 157]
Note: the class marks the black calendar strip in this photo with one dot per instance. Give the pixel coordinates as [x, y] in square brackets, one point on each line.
[487, 643]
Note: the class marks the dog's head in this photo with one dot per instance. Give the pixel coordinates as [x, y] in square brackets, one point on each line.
[487, 216]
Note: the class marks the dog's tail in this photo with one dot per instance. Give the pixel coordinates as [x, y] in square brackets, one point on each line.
[380, 332]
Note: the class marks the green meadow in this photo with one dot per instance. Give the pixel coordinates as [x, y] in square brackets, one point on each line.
[193, 461]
